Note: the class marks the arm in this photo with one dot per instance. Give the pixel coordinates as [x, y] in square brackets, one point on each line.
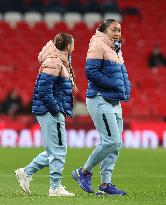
[93, 68]
[52, 66]
[46, 51]
[45, 89]
[94, 75]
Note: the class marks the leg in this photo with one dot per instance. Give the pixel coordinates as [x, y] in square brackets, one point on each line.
[108, 164]
[104, 118]
[54, 133]
[41, 160]
[24, 175]
[37, 164]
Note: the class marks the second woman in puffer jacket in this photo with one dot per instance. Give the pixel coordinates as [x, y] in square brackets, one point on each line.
[108, 84]
[52, 102]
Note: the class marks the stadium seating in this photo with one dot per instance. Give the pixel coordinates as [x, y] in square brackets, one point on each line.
[32, 17]
[52, 18]
[12, 18]
[72, 18]
[91, 19]
[20, 45]
[115, 16]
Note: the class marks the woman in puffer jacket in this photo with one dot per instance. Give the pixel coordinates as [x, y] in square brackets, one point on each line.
[108, 85]
[52, 102]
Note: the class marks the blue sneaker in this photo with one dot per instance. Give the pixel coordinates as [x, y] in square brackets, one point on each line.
[109, 189]
[84, 180]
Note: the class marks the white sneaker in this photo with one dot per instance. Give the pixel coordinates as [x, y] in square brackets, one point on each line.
[23, 180]
[60, 191]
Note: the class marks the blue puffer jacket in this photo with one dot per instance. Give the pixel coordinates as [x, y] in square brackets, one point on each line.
[53, 88]
[52, 94]
[105, 70]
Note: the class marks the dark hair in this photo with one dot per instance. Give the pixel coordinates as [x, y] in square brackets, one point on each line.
[62, 40]
[102, 27]
[72, 71]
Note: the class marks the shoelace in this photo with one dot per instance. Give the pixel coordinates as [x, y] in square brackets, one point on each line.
[89, 179]
[29, 178]
[63, 189]
[112, 186]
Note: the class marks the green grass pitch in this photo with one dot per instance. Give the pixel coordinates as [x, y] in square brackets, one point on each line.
[141, 173]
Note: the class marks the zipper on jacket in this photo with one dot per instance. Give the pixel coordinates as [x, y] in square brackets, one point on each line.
[124, 82]
[123, 79]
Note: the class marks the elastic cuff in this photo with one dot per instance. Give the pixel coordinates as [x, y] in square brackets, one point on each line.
[55, 184]
[26, 172]
[88, 169]
[106, 179]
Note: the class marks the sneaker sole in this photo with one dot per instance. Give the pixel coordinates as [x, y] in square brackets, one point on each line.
[107, 194]
[20, 178]
[57, 195]
[75, 176]
[101, 193]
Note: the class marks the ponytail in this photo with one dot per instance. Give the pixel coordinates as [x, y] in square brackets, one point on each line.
[72, 74]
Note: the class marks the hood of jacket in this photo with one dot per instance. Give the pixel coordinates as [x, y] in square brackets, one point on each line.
[50, 51]
[102, 37]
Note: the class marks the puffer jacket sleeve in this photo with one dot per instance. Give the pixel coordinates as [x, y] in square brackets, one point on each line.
[45, 89]
[94, 70]
[53, 63]
[48, 49]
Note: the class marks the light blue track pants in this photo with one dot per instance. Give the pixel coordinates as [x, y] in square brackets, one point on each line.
[107, 118]
[53, 131]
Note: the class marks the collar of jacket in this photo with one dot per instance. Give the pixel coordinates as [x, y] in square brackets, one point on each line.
[103, 37]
